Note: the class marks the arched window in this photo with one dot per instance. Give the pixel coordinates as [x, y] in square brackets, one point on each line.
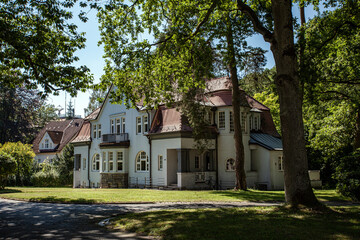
[142, 162]
[96, 162]
[230, 164]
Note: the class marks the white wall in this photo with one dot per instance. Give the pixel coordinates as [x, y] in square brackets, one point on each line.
[260, 161]
[277, 176]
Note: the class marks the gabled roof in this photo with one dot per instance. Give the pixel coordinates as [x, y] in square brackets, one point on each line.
[168, 120]
[267, 141]
[55, 136]
[67, 129]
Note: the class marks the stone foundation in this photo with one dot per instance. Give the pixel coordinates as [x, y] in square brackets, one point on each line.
[114, 180]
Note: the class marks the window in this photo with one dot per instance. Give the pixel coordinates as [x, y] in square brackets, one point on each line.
[104, 161]
[51, 146]
[84, 163]
[118, 125]
[42, 145]
[255, 122]
[123, 124]
[96, 162]
[243, 121]
[142, 162]
[209, 115]
[46, 143]
[230, 165]
[138, 125]
[145, 121]
[112, 126]
[280, 163]
[94, 131]
[111, 161]
[99, 130]
[119, 161]
[197, 162]
[221, 120]
[161, 162]
[231, 122]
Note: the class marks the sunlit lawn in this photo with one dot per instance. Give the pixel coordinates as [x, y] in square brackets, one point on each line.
[243, 223]
[70, 195]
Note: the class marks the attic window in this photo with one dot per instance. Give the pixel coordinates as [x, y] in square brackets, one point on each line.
[255, 122]
[221, 120]
[46, 143]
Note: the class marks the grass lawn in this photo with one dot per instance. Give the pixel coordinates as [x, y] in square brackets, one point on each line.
[243, 223]
[71, 195]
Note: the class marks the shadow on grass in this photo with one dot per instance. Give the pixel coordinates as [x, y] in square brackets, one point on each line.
[331, 196]
[243, 223]
[54, 199]
[8, 190]
[253, 195]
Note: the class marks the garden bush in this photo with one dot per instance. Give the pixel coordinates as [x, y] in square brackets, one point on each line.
[348, 176]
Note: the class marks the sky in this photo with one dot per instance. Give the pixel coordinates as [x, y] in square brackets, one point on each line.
[92, 57]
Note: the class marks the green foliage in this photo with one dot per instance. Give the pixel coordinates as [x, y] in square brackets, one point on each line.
[348, 176]
[48, 176]
[96, 98]
[24, 156]
[271, 100]
[22, 114]
[64, 165]
[70, 111]
[7, 167]
[38, 43]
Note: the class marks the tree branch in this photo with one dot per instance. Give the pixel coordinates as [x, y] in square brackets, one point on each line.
[258, 27]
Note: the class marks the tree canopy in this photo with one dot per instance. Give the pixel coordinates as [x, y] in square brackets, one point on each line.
[38, 45]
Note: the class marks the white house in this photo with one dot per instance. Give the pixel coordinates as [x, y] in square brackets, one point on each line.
[53, 138]
[119, 147]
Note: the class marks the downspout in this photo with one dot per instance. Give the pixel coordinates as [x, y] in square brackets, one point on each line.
[150, 150]
[89, 161]
[213, 109]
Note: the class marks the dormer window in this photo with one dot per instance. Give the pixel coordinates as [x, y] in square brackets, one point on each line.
[46, 143]
[255, 122]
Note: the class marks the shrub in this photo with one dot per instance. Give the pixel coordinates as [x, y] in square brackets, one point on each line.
[46, 177]
[7, 167]
[348, 176]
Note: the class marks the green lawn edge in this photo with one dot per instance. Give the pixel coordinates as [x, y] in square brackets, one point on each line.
[123, 196]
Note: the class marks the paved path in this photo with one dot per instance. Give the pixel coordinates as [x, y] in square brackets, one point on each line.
[27, 220]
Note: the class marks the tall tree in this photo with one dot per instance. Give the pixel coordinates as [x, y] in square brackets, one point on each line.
[70, 111]
[38, 45]
[95, 100]
[195, 36]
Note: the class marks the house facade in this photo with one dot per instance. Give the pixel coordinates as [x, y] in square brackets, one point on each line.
[54, 137]
[119, 147]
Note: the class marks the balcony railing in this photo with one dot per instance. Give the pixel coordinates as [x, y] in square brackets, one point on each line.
[115, 138]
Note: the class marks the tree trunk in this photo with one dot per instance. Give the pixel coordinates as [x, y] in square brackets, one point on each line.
[297, 183]
[239, 147]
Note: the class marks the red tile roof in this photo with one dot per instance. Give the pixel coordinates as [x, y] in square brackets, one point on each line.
[67, 129]
[84, 133]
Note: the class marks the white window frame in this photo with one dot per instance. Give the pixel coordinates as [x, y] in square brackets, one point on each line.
[230, 167]
[94, 131]
[118, 125]
[142, 160]
[145, 123]
[96, 163]
[119, 161]
[197, 162]
[99, 131]
[46, 143]
[123, 124]
[231, 121]
[222, 121]
[104, 162]
[112, 126]
[111, 161]
[138, 125]
[160, 162]
[280, 163]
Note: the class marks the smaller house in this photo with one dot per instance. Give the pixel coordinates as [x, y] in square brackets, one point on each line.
[54, 137]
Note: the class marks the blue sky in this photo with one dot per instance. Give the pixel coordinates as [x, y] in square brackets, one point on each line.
[91, 56]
